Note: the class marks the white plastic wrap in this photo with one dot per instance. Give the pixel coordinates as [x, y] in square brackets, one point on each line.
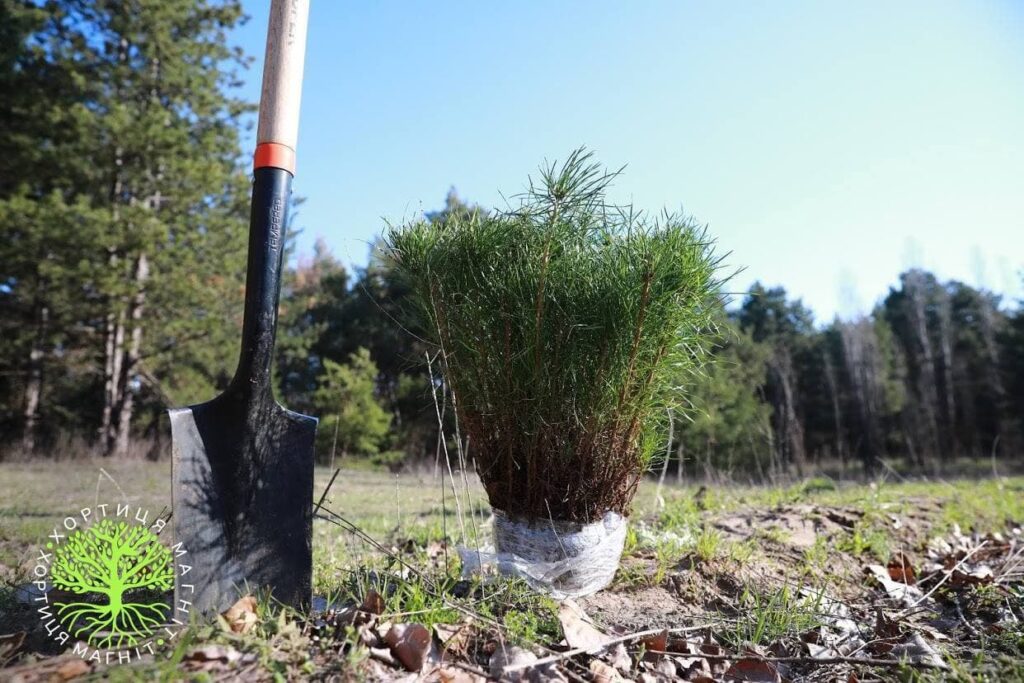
[564, 559]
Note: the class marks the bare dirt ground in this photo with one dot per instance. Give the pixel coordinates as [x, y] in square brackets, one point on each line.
[816, 581]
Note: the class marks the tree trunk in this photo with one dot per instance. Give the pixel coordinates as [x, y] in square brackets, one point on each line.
[837, 419]
[863, 362]
[949, 391]
[927, 391]
[114, 351]
[679, 463]
[131, 359]
[114, 328]
[790, 429]
[34, 386]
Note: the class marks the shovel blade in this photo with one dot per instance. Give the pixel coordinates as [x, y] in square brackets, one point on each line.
[242, 497]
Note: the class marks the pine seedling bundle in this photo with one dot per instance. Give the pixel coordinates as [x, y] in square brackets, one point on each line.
[565, 325]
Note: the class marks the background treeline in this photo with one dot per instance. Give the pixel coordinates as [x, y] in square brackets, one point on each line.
[122, 262]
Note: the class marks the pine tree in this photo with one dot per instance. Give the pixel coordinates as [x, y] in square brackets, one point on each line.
[729, 427]
[352, 419]
[48, 225]
[143, 144]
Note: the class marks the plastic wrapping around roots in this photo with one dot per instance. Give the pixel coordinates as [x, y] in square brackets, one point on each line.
[564, 559]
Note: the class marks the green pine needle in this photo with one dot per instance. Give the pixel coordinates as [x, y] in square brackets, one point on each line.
[566, 325]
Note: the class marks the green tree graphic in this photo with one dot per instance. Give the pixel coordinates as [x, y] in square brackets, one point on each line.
[115, 561]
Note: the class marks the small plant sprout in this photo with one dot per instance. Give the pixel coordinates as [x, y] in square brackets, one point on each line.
[566, 325]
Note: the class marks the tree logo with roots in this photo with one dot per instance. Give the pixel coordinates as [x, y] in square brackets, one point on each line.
[126, 565]
[110, 582]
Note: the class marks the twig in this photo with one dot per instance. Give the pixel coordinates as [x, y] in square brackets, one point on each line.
[324, 494]
[611, 641]
[1011, 565]
[864, 661]
[947, 575]
[444, 448]
[104, 473]
[963, 619]
[470, 668]
[668, 455]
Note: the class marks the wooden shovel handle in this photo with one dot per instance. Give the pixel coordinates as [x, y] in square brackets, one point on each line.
[278, 128]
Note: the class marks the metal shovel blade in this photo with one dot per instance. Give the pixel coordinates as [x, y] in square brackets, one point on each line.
[242, 500]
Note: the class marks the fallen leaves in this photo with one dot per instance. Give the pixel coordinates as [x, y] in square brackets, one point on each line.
[63, 668]
[655, 645]
[10, 644]
[901, 569]
[604, 673]
[241, 617]
[512, 658]
[410, 644]
[755, 670]
[907, 595]
[212, 657]
[580, 632]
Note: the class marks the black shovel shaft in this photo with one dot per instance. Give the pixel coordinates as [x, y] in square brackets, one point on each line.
[271, 192]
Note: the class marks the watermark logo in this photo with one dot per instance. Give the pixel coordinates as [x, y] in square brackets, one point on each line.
[103, 576]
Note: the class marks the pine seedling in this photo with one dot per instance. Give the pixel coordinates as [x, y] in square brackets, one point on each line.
[566, 325]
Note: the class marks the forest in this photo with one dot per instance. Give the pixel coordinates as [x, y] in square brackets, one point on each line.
[122, 278]
[559, 439]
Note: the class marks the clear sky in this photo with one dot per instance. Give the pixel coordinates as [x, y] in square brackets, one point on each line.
[827, 145]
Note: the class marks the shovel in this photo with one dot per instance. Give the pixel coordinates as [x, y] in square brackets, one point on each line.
[242, 490]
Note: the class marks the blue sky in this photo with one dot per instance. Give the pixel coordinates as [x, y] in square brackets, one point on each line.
[827, 145]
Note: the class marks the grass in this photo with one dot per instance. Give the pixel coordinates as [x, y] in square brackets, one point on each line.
[866, 539]
[767, 617]
[777, 590]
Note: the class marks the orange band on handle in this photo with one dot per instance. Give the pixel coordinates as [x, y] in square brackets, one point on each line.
[274, 155]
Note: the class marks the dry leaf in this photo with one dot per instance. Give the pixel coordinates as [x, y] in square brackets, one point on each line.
[453, 637]
[373, 603]
[505, 657]
[908, 595]
[820, 651]
[755, 670]
[579, 630]
[619, 658]
[241, 617]
[901, 569]
[451, 674]
[666, 667]
[410, 644]
[382, 654]
[917, 650]
[604, 673]
[655, 645]
[979, 575]
[693, 666]
[212, 657]
[9, 646]
[73, 669]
